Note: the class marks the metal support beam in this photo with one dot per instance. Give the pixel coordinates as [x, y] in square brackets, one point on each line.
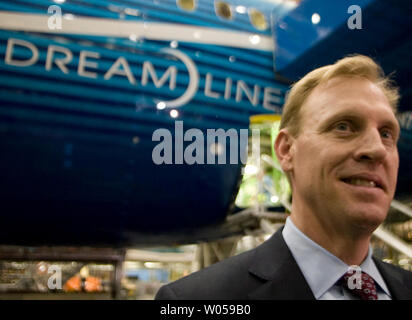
[401, 207]
[393, 241]
[146, 255]
[117, 280]
[210, 253]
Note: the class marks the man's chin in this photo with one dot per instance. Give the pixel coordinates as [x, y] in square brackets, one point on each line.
[369, 220]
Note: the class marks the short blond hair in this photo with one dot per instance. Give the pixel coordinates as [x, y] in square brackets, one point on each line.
[351, 66]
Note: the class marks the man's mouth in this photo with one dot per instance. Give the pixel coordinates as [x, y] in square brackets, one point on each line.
[362, 182]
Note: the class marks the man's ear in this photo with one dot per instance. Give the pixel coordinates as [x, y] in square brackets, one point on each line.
[284, 149]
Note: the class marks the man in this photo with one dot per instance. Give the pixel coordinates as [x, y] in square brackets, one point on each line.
[338, 147]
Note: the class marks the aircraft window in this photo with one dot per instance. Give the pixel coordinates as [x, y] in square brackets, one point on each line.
[258, 19]
[188, 5]
[223, 10]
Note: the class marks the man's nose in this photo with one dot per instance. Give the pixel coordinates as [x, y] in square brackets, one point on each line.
[371, 147]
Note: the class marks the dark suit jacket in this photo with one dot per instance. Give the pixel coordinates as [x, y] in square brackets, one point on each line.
[266, 272]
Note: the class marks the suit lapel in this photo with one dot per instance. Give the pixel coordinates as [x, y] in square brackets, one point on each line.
[283, 280]
[394, 280]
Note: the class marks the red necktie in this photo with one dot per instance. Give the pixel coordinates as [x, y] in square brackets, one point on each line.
[368, 289]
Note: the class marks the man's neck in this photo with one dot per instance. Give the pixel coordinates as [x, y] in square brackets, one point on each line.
[350, 248]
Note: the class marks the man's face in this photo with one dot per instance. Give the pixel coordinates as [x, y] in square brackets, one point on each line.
[345, 158]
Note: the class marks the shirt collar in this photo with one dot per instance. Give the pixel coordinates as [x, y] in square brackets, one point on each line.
[320, 268]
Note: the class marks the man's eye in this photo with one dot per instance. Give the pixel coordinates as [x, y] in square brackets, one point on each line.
[386, 134]
[342, 126]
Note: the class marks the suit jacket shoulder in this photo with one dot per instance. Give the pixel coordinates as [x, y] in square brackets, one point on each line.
[398, 280]
[266, 272]
[227, 279]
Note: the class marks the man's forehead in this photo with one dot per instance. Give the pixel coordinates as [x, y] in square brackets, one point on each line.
[347, 95]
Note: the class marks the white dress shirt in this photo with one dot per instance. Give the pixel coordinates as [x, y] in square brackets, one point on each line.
[322, 269]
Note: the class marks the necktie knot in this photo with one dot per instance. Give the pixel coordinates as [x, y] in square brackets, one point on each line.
[360, 284]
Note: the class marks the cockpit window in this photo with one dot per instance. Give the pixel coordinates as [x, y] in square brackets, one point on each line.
[223, 10]
[188, 5]
[257, 19]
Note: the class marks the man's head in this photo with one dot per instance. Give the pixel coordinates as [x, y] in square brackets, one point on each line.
[351, 67]
[337, 144]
